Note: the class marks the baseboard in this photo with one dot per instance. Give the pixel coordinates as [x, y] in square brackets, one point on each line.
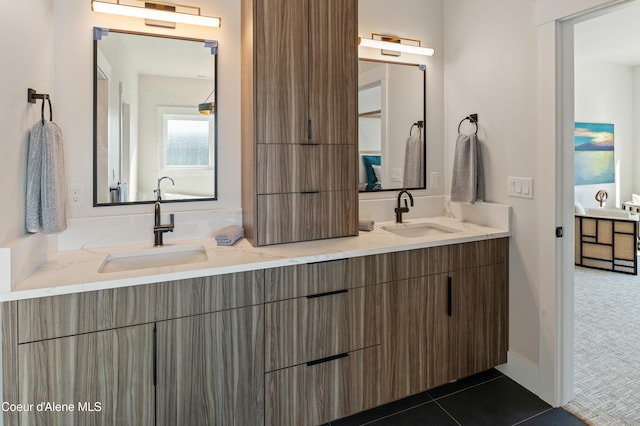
[522, 370]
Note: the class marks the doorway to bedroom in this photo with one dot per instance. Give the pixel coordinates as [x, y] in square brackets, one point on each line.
[606, 63]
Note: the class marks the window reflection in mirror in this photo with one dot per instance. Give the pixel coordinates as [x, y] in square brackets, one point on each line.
[391, 117]
[146, 118]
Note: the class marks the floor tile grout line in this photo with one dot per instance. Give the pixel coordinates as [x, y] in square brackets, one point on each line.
[467, 388]
[534, 416]
[448, 413]
[397, 412]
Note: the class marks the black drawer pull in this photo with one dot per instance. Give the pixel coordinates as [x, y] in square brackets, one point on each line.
[324, 261]
[309, 192]
[327, 359]
[330, 293]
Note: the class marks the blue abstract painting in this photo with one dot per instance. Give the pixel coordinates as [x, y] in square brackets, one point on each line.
[594, 160]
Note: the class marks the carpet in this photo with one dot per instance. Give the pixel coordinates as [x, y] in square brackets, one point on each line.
[607, 348]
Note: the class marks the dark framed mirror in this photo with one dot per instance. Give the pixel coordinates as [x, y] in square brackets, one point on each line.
[155, 115]
[391, 119]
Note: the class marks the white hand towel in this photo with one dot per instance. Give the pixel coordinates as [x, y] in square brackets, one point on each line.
[366, 224]
[413, 163]
[229, 235]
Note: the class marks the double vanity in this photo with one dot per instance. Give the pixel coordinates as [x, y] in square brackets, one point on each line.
[292, 334]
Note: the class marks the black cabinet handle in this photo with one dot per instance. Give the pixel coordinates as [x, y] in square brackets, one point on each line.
[449, 296]
[329, 293]
[155, 355]
[327, 359]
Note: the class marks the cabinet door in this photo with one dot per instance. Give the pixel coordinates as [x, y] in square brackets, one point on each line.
[281, 79]
[480, 318]
[415, 336]
[333, 71]
[210, 369]
[305, 168]
[107, 377]
[286, 218]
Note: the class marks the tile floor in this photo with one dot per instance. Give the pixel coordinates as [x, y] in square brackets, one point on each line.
[489, 398]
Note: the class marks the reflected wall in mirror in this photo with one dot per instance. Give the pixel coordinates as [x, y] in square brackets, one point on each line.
[147, 122]
[391, 136]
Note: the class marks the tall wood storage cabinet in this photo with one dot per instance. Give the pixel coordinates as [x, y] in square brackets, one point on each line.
[299, 120]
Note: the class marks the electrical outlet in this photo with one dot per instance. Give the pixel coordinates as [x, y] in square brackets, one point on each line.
[396, 175]
[76, 194]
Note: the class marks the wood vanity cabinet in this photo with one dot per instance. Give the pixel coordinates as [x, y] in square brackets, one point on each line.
[297, 345]
[446, 320]
[299, 120]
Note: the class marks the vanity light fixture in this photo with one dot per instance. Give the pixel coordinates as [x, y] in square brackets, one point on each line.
[155, 14]
[207, 107]
[391, 44]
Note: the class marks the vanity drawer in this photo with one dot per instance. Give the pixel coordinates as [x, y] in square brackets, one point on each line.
[311, 394]
[318, 326]
[478, 253]
[412, 263]
[319, 277]
[66, 315]
[286, 218]
[194, 296]
[286, 168]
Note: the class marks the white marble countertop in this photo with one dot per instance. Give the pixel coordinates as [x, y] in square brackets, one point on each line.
[77, 270]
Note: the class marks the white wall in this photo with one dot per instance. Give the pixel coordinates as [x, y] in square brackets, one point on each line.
[26, 52]
[491, 69]
[604, 94]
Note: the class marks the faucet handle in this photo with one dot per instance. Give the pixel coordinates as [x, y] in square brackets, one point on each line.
[171, 219]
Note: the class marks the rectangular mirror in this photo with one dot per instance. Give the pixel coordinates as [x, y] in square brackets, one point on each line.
[391, 117]
[149, 93]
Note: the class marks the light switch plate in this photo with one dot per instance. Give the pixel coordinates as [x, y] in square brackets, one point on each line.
[520, 187]
[433, 180]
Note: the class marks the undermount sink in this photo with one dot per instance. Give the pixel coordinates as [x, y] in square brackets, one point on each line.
[153, 258]
[416, 230]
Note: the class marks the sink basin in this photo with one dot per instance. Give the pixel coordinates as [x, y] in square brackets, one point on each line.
[416, 230]
[153, 258]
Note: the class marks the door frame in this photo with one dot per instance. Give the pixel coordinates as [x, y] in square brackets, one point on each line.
[555, 20]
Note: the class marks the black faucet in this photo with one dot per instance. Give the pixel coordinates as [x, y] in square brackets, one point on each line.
[399, 210]
[158, 228]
